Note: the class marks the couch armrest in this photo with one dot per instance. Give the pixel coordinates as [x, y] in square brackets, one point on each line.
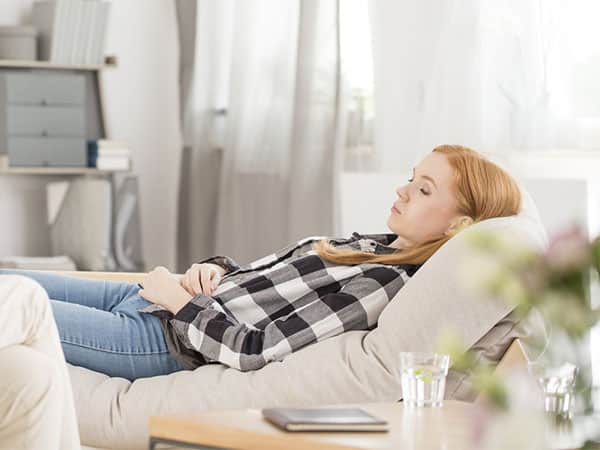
[126, 277]
[513, 358]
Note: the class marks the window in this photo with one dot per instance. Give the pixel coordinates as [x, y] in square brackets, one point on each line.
[357, 73]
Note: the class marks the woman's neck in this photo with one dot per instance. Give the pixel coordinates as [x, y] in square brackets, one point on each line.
[400, 243]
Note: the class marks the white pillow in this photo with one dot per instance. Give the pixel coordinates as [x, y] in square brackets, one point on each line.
[529, 210]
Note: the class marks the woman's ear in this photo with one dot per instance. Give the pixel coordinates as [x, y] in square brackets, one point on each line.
[458, 224]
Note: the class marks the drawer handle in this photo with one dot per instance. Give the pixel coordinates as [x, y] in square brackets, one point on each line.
[45, 133]
[44, 102]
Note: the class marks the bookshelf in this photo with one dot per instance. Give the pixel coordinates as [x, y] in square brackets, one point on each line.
[92, 108]
[5, 169]
[110, 61]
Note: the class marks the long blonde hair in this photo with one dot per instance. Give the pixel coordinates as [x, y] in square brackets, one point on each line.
[482, 189]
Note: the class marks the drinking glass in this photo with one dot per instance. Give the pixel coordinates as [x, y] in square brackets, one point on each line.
[556, 384]
[423, 378]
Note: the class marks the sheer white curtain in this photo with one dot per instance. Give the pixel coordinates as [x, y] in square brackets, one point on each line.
[205, 29]
[261, 81]
[493, 74]
[280, 159]
[499, 77]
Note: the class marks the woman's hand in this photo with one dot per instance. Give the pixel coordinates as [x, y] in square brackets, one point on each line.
[202, 278]
[162, 287]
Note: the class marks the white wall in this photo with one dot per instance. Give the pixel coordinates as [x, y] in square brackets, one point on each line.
[142, 109]
[22, 199]
[141, 106]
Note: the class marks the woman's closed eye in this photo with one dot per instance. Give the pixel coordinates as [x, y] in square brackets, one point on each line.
[422, 190]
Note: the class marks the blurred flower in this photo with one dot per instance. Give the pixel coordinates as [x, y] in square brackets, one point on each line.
[556, 282]
[596, 255]
[569, 250]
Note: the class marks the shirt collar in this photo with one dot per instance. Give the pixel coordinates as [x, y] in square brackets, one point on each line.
[382, 241]
[382, 247]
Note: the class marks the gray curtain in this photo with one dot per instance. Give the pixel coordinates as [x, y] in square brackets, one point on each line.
[279, 82]
[200, 37]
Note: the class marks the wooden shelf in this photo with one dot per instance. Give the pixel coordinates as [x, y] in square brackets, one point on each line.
[24, 64]
[5, 169]
[56, 171]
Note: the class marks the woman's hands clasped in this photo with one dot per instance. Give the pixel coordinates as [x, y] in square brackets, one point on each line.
[202, 278]
[164, 288]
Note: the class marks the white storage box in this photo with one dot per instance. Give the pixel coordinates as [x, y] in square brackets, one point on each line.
[18, 42]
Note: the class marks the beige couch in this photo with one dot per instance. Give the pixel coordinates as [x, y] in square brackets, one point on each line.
[358, 366]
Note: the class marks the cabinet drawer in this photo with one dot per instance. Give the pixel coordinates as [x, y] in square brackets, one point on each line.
[45, 88]
[48, 151]
[45, 121]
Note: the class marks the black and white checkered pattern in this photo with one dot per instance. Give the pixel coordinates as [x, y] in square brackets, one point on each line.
[280, 303]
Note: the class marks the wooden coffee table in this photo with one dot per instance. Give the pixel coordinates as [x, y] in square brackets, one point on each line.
[449, 427]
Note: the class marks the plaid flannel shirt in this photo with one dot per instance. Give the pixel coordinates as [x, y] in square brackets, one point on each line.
[278, 304]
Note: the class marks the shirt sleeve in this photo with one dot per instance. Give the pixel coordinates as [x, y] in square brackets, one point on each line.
[225, 262]
[205, 327]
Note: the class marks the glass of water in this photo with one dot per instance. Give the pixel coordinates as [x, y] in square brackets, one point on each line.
[423, 378]
[557, 384]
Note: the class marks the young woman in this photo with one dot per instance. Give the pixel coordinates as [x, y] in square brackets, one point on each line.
[248, 316]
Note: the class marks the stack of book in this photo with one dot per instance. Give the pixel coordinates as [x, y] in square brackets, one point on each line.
[71, 31]
[108, 155]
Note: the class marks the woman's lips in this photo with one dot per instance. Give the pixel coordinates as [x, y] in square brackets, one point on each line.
[394, 210]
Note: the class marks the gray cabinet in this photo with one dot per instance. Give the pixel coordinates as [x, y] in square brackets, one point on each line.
[43, 118]
[44, 88]
[25, 120]
[46, 151]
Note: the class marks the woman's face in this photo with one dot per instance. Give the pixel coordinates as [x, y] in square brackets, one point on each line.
[425, 207]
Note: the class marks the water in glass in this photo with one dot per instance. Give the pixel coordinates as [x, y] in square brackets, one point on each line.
[423, 378]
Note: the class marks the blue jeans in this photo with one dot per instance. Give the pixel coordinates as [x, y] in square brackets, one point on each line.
[100, 327]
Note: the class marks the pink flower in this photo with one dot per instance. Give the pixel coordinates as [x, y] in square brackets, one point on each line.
[568, 250]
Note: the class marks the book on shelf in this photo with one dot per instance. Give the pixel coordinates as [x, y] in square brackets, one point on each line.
[108, 155]
[94, 24]
[49, 20]
[71, 31]
[75, 31]
[109, 143]
[83, 31]
[96, 51]
[113, 163]
[113, 152]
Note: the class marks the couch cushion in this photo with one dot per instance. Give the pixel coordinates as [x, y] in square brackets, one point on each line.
[358, 366]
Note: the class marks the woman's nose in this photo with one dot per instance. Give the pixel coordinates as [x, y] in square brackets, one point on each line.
[402, 192]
